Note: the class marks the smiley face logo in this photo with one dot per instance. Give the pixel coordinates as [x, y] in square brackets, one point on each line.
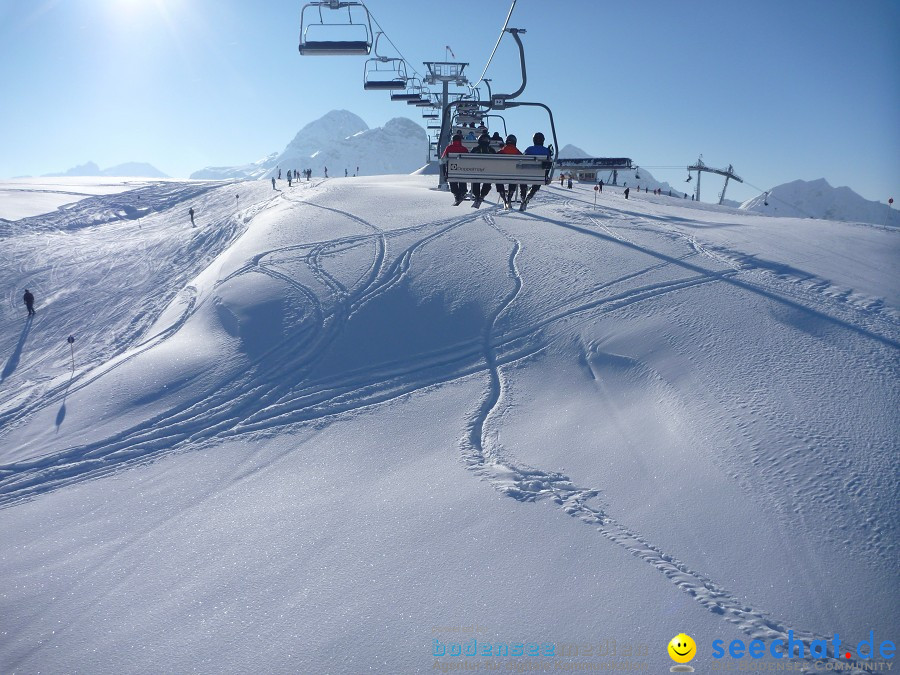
[682, 648]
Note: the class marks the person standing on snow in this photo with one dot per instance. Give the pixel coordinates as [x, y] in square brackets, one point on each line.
[28, 299]
[273, 182]
[191, 211]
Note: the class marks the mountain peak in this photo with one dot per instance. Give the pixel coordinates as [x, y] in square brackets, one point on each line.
[340, 140]
[134, 169]
[818, 199]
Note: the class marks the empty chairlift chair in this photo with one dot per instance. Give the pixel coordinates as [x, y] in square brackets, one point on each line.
[334, 33]
[413, 91]
[384, 73]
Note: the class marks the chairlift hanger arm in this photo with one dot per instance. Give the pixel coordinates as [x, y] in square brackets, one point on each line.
[515, 33]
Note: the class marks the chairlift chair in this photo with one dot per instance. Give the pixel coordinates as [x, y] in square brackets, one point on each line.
[356, 35]
[413, 91]
[501, 168]
[384, 73]
[391, 77]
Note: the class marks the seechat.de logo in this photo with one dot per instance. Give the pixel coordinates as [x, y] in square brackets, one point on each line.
[791, 648]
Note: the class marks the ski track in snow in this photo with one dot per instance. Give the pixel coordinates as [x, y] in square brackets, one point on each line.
[484, 455]
[257, 401]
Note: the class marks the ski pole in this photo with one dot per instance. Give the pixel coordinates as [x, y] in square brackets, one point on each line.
[71, 342]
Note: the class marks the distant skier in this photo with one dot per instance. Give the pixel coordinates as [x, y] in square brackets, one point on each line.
[28, 298]
[273, 182]
[600, 185]
[191, 211]
[627, 190]
[570, 182]
[279, 174]
[326, 172]
[345, 173]
[289, 179]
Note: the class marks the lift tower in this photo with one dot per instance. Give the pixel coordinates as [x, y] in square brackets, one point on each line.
[445, 72]
[699, 167]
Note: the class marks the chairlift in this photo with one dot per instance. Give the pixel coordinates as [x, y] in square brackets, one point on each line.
[390, 77]
[383, 73]
[356, 36]
[413, 91]
[424, 102]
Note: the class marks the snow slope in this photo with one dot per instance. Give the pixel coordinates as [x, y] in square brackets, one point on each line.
[336, 423]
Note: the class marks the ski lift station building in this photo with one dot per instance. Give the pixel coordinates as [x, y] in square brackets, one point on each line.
[594, 169]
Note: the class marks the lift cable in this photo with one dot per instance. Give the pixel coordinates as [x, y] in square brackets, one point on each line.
[491, 57]
[388, 38]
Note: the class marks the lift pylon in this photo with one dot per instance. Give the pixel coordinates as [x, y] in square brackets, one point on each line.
[699, 167]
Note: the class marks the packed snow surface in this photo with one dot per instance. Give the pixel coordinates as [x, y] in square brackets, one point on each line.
[338, 427]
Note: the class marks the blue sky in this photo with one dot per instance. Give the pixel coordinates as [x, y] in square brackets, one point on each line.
[780, 89]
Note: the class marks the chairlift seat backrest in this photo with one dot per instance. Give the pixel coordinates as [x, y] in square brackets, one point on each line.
[485, 168]
[384, 85]
[335, 47]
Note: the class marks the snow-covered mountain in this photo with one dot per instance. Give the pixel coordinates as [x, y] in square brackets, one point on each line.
[132, 169]
[317, 136]
[570, 151]
[340, 140]
[818, 199]
[256, 169]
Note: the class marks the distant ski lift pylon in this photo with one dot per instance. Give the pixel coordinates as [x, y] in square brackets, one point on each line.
[354, 37]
